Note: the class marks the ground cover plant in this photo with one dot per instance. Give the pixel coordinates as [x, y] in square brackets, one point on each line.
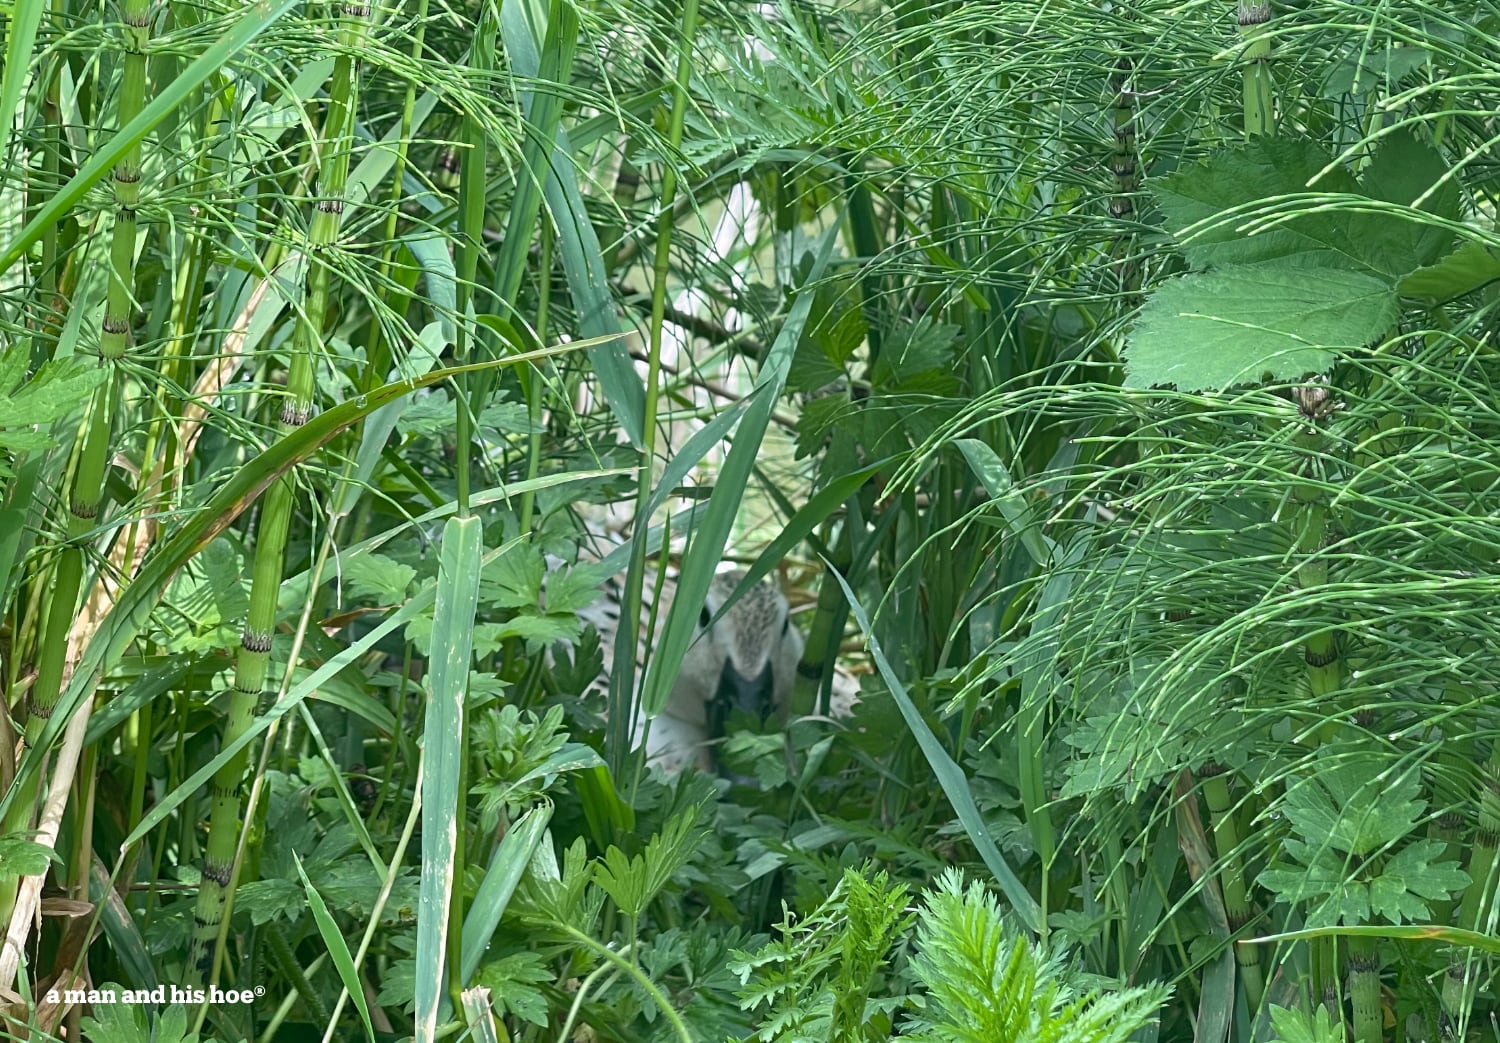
[1110, 388]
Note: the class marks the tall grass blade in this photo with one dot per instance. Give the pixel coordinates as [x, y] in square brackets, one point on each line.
[443, 802]
[949, 775]
[707, 548]
[24, 19]
[338, 949]
[578, 247]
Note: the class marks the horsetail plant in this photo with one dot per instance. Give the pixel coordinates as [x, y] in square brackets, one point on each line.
[90, 465]
[114, 341]
[1124, 168]
[252, 662]
[1238, 908]
[1258, 89]
[1476, 907]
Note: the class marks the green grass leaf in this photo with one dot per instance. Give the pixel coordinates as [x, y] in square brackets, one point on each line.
[949, 775]
[338, 948]
[457, 596]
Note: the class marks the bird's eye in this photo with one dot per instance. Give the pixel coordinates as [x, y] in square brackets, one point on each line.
[704, 617]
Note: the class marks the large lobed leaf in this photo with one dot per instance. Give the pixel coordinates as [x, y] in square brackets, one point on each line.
[1235, 325]
[1299, 260]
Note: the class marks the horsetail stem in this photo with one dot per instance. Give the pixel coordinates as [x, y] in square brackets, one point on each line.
[91, 464]
[1237, 907]
[1477, 904]
[1364, 989]
[1123, 167]
[252, 662]
[1259, 91]
[50, 145]
[1320, 650]
[114, 340]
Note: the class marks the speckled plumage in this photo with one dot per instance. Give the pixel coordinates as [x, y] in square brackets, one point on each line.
[753, 636]
[746, 659]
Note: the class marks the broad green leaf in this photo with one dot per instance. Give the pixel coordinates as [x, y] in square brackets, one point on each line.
[1232, 326]
[513, 983]
[1197, 201]
[1411, 878]
[22, 857]
[1352, 805]
[1471, 267]
[541, 629]
[57, 388]
[126, 1020]
[514, 579]
[1330, 893]
[383, 580]
[1403, 171]
[1295, 1026]
[572, 588]
[1344, 814]
[633, 882]
[1215, 206]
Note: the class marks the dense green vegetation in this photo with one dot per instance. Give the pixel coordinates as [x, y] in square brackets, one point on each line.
[1112, 387]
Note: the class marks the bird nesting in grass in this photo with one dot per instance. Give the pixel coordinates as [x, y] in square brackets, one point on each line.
[744, 659]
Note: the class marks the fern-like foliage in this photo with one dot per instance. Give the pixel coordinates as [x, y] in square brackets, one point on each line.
[974, 977]
[829, 976]
[986, 983]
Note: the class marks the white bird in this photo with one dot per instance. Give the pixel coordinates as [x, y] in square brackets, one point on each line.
[745, 660]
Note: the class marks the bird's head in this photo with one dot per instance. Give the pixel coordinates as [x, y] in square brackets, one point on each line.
[755, 648]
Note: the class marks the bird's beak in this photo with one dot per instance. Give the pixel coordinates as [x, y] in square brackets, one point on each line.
[754, 695]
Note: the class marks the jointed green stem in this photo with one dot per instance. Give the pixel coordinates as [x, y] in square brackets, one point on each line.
[93, 457]
[1364, 989]
[1232, 880]
[1259, 91]
[1475, 909]
[253, 660]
